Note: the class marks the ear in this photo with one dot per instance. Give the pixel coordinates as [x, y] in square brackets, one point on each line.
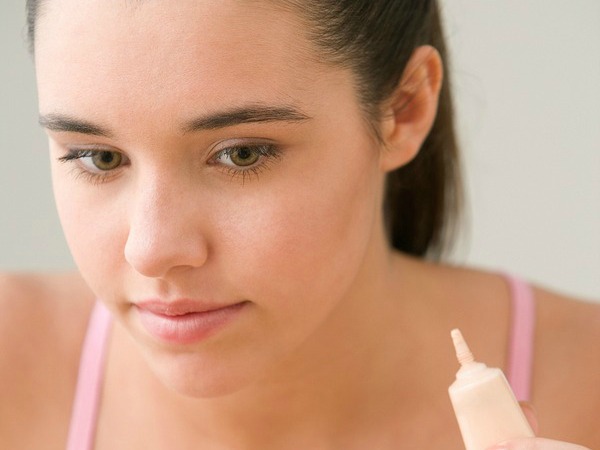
[409, 113]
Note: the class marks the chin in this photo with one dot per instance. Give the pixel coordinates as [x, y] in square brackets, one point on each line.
[202, 387]
[195, 376]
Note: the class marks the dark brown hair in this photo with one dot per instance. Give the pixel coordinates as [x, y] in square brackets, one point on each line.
[375, 39]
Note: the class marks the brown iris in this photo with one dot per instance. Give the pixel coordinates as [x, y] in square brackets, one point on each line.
[105, 160]
[244, 156]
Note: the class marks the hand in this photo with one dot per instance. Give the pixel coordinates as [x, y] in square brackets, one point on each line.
[534, 443]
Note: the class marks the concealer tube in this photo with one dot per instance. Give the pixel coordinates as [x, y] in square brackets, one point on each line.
[484, 404]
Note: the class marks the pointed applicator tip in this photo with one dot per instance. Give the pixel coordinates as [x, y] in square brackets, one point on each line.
[463, 353]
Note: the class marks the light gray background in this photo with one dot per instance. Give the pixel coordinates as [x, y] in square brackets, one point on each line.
[527, 88]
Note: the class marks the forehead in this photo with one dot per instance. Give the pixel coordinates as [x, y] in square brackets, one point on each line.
[155, 54]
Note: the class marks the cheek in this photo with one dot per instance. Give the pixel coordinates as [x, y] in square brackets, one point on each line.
[91, 228]
[305, 242]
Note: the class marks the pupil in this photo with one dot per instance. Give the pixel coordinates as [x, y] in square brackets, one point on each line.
[106, 157]
[244, 153]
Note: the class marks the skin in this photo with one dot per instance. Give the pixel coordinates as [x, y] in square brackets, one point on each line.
[172, 225]
[328, 349]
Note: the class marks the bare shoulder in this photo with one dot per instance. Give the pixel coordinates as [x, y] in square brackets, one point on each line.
[568, 318]
[567, 367]
[42, 326]
[568, 329]
[37, 308]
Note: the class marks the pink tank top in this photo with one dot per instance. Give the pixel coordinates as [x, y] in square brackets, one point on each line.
[82, 428]
[91, 370]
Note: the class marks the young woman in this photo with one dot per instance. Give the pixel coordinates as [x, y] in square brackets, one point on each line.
[256, 194]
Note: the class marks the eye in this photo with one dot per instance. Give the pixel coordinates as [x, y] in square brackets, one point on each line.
[95, 161]
[246, 160]
[244, 156]
[105, 160]
[95, 165]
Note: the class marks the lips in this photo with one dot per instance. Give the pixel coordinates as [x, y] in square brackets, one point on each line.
[179, 307]
[185, 321]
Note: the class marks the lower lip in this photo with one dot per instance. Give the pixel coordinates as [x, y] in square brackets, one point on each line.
[187, 328]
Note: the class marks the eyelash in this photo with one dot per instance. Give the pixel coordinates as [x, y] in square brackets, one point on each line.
[267, 153]
[76, 155]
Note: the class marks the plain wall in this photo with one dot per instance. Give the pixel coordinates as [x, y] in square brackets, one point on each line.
[527, 88]
[526, 79]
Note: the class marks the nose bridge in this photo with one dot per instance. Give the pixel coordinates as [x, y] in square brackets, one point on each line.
[162, 228]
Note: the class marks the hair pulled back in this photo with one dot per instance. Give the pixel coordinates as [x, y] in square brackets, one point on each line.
[375, 39]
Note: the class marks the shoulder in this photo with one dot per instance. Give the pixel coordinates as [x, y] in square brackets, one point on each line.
[568, 330]
[561, 312]
[567, 367]
[44, 310]
[42, 324]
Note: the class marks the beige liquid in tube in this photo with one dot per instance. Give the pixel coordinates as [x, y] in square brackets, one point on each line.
[486, 408]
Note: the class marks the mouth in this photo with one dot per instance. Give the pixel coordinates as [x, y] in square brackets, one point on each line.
[185, 321]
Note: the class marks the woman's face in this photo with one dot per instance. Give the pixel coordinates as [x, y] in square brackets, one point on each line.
[203, 154]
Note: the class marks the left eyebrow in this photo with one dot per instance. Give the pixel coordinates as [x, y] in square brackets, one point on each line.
[245, 114]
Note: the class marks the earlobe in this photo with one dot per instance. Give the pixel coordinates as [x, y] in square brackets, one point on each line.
[408, 115]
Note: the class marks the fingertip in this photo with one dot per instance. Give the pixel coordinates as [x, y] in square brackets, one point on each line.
[531, 415]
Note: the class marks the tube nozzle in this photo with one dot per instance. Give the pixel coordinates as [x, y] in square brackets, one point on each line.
[463, 353]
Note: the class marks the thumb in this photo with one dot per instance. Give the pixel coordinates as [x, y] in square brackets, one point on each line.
[530, 415]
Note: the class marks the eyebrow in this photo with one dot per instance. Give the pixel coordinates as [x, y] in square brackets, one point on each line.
[246, 114]
[61, 122]
[212, 121]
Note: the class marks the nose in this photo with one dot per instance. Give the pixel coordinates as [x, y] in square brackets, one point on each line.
[164, 232]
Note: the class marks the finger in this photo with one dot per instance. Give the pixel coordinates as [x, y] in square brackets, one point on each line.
[536, 444]
[530, 415]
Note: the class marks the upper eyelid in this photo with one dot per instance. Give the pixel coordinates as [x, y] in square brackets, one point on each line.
[273, 149]
[98, 147]
[240, 142]
[92, 148]
[219, 145]
[73, 154]
[86, 151]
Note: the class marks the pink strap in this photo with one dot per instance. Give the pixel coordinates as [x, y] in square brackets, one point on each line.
[520, 353]
[89, 382]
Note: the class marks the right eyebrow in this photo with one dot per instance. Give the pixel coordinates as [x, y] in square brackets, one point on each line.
[61, 122]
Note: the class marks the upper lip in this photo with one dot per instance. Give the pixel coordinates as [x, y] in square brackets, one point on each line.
[180, 307]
